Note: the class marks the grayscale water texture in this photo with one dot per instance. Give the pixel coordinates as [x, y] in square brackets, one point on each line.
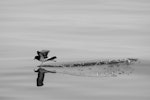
[74, 30]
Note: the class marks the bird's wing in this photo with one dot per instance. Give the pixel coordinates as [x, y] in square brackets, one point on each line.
[52, 58]
[45, 53]
[38, 52]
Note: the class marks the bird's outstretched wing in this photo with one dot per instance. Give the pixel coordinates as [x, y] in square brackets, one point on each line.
[43, 53]
[52, 58]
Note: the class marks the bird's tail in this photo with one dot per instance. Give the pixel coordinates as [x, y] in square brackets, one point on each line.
[52, 58]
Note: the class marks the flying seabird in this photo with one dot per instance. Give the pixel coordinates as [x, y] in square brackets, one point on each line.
[42, 56]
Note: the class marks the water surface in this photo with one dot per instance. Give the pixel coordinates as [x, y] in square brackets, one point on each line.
[73, 31]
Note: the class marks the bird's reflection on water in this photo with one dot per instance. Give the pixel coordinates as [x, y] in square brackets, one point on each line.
[41, 74]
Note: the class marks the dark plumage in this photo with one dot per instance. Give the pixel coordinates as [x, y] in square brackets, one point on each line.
[43, 56]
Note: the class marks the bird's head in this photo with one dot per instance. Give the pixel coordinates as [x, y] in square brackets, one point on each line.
[36, 57]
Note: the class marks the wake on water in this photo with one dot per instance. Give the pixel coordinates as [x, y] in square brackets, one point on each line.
[108, 68]
[94, 68]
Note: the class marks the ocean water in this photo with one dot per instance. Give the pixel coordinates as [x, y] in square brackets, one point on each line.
[77, 30]
[18, 81]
